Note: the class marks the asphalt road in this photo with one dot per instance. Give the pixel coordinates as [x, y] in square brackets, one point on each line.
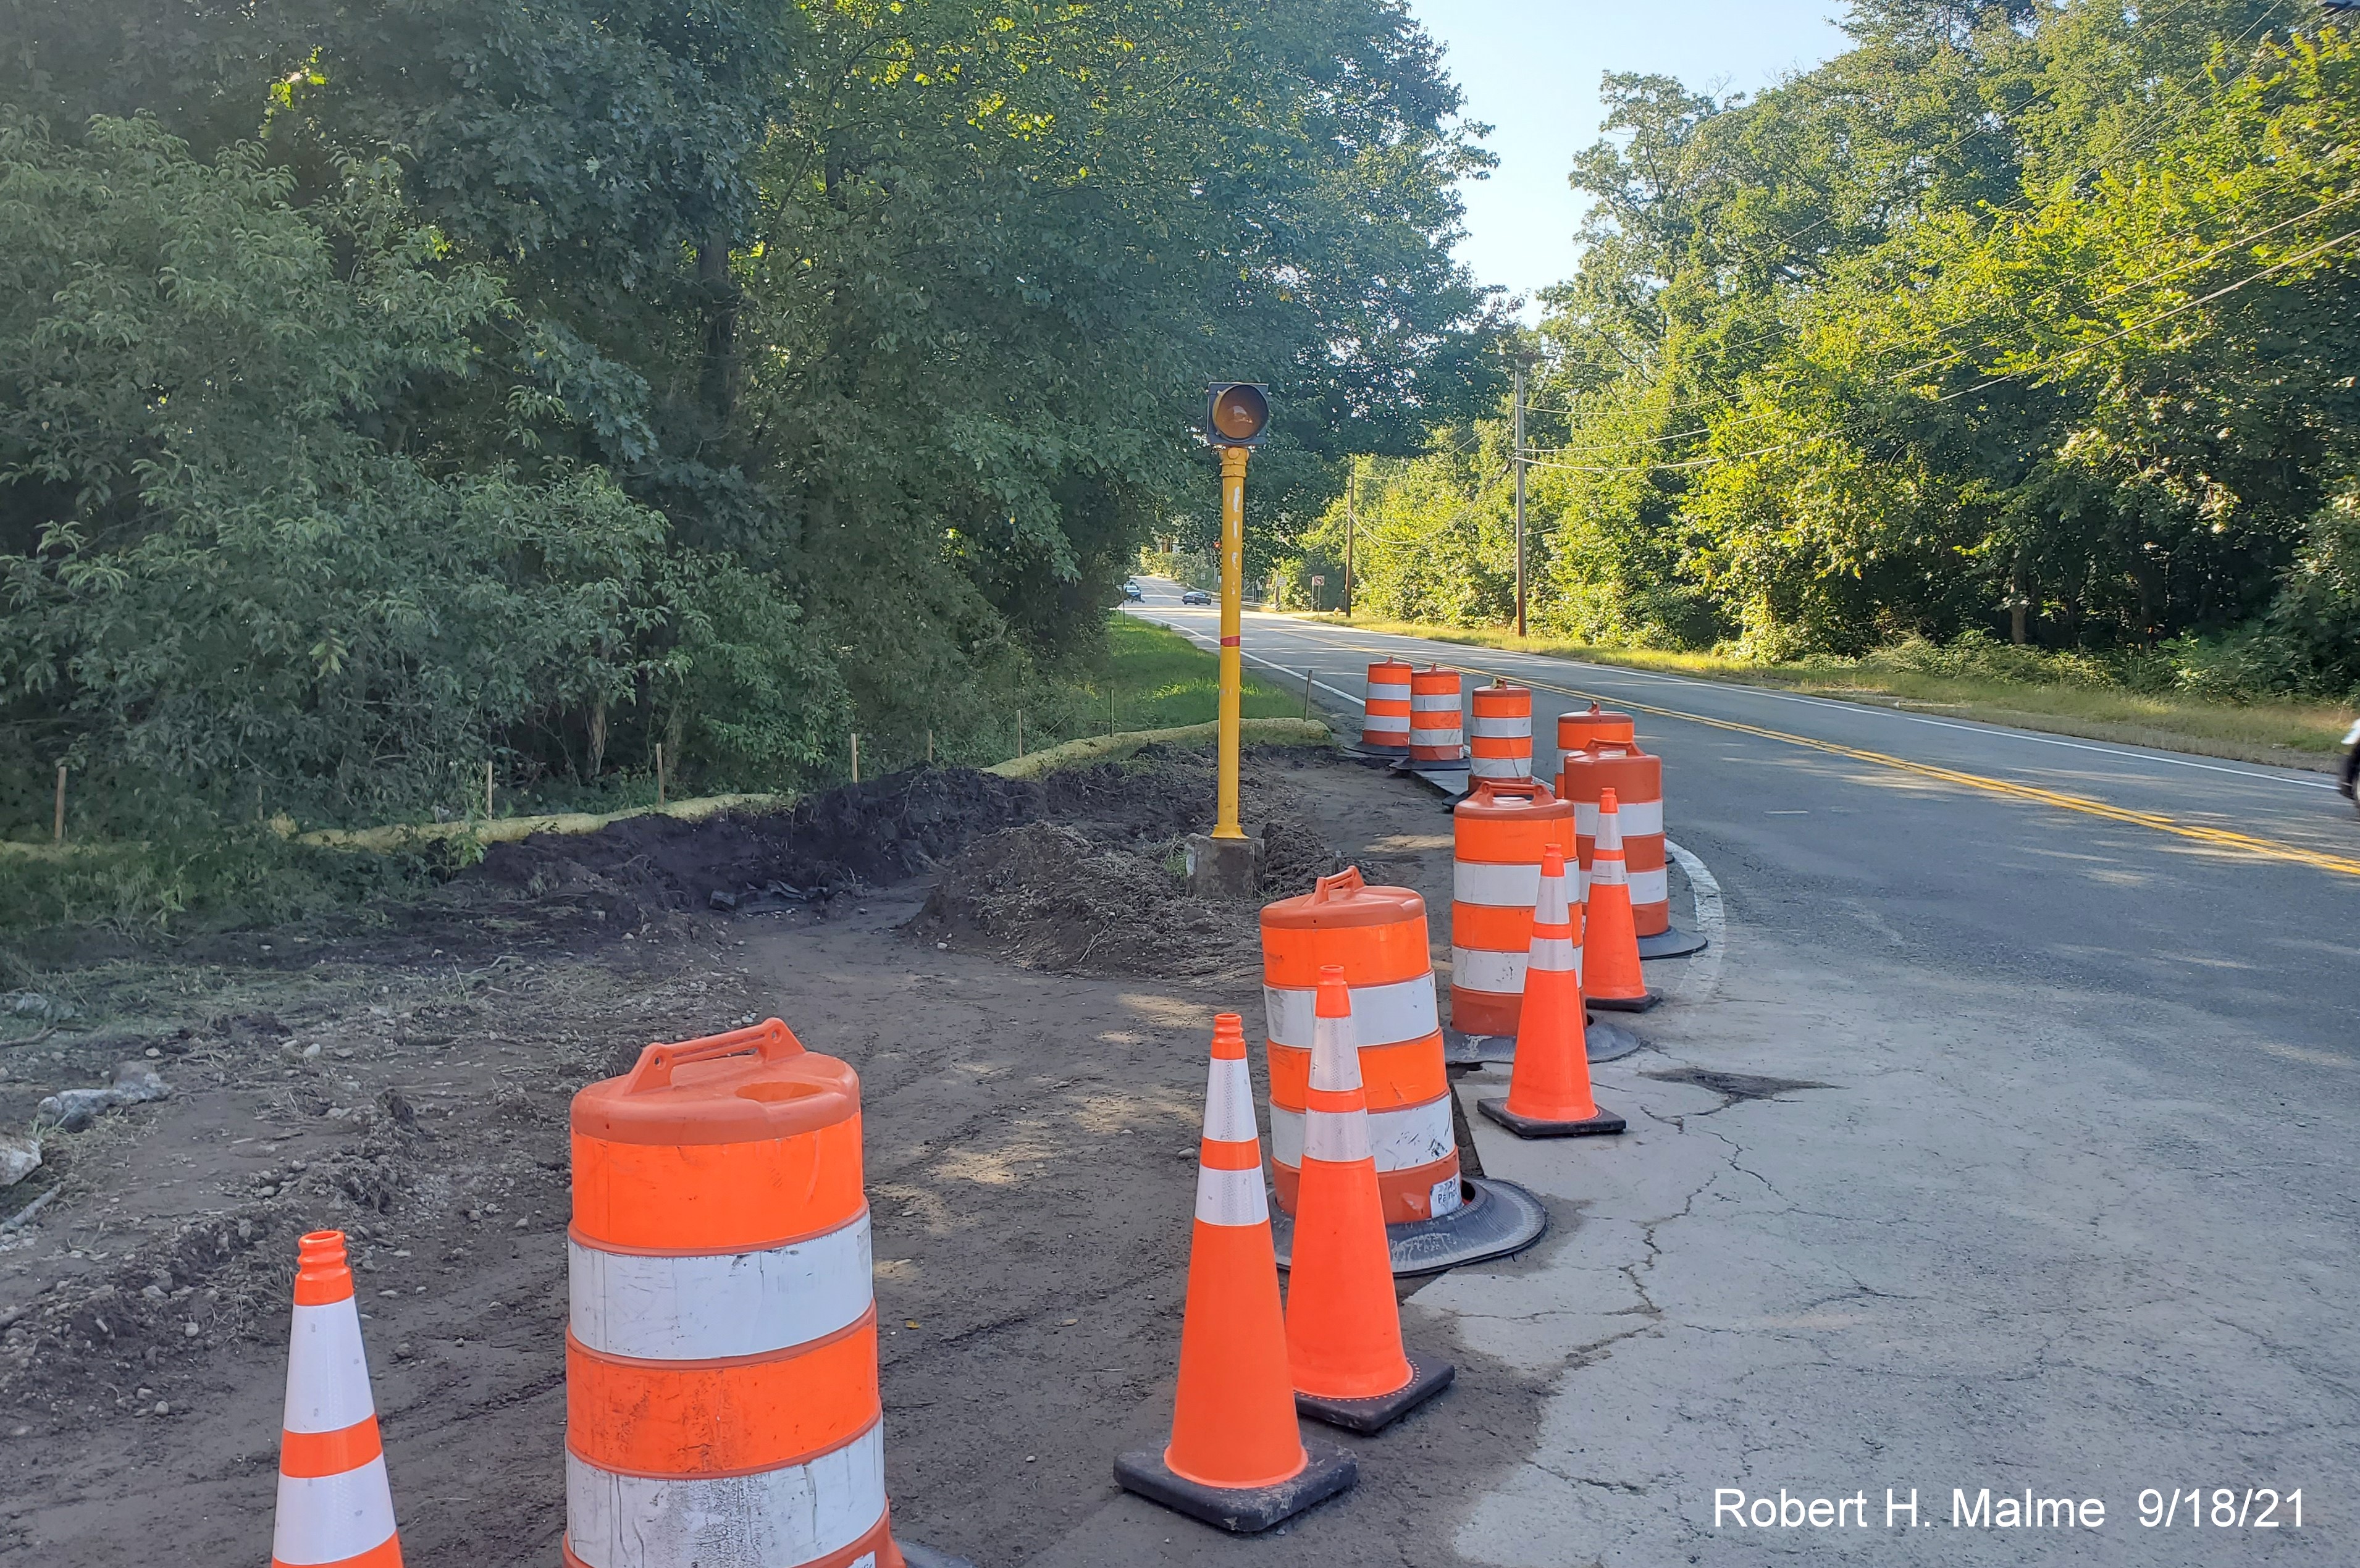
[2068, 1205]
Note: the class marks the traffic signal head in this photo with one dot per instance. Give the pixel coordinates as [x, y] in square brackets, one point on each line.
[1237, 413]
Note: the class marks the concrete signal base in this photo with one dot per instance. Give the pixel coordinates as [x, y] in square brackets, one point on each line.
[1227, 868]
[1241, 1510]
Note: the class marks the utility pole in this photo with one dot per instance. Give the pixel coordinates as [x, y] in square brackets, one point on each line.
[1351, 527]
[1519, 439]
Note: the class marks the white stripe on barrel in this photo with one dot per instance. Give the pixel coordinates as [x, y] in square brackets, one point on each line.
[1400, 1139]
[796, 1513]
[1490, 883]
[707, 1306]
[1393, 1014]
[1639, 818]
[1500, 729]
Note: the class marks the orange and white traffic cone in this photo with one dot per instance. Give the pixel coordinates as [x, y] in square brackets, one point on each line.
[1343, 1322]
[1610, 938]
[335, 1507]
[1237, 1458]
[1548, 1091]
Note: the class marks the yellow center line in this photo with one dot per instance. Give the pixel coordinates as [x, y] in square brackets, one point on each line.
[2219, 838]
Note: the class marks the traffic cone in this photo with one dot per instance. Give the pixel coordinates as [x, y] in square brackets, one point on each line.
[1548, 1091]
[335, 1507]
[1343, 1322]
[1610, 941]
[1237, 1458]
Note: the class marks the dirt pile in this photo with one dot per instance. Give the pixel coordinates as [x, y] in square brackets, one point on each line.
[1090, 898]
[867, 836]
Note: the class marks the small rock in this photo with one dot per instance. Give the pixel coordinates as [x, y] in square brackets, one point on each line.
[245, 1230]
[401, 1352]
[721, 900]
[154, 1292]
[163, 1407]
[135, 1083]
[152, 1052]
[74, 1110]
[190, 1331]
[520, 1225]
[942, 947]
[19, 1158]
[311, 1052]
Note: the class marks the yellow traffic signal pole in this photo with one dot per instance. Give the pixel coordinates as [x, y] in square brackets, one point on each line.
[1233, 584]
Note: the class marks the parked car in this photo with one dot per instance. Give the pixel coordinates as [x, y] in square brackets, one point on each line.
[1196, 597]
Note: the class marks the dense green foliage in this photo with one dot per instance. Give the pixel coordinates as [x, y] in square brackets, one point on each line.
[2032, 322]
[387, 391]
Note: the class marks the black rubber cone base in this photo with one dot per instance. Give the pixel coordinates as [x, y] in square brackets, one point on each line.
[1621, 1005]
[1671, 942]
[1493, 1219]
[918, 1556]
[1606, 1043]
[1538, 1127]
[1241, 1510]
[1427, 1378]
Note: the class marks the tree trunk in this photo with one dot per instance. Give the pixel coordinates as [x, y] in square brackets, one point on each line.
[718, 299]
[597, 739]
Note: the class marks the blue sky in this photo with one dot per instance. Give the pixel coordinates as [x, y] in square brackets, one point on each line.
[1530, 68]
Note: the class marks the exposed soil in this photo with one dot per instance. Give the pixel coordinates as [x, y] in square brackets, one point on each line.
[1031, 1141]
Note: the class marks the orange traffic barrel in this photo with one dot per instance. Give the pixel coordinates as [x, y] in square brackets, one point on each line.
[1435, 1217]
[1437, 731]
[1637, 780]
[1384, 723]
[1579, 731]
[1500, 732]
[1378, 935]
[721, 1400]
[1499, 832]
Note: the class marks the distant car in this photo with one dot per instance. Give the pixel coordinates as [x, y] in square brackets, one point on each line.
[1134, 592]
[1196, 597]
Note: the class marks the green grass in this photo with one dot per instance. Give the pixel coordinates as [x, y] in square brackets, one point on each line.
[2284, 732]
[1160, 681]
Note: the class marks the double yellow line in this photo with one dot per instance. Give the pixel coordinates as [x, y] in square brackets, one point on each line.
[2216, 838]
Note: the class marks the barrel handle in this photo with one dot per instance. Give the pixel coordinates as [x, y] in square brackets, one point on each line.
[1486, 790]
[771, 1037]
[1346, 881]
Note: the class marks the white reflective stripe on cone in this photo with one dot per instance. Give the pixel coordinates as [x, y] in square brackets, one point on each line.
[719, 1304]
[1609, 874]
[1650, 886]
[1336, 1136]
[1501, 729]
[1495, 886]
[796, 1513]
[1637, 817]
[1399, 1140]
[327, 1519]
[1481, 969]
[327, 1370]
[1381, 1015]
[1229, 1101]
[1435, 702]
[1500, 766]
[1231, 1197]
[1554, 954]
